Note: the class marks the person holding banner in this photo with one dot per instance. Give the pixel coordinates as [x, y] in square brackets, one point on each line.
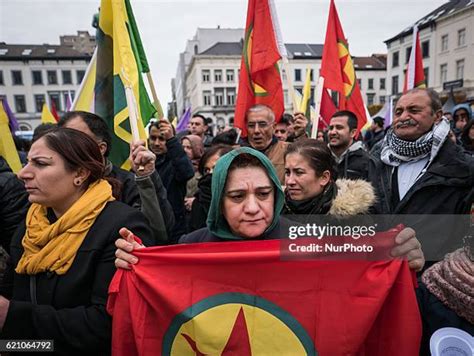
[247, 200]
[63, 255]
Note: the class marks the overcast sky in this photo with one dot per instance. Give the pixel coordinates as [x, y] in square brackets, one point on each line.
[166, 25]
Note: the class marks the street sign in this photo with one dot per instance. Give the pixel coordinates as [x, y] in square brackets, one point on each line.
[453, 84]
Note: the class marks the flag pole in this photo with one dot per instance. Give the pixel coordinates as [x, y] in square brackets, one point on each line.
[283, 53]
[154, 95]
[319, 95]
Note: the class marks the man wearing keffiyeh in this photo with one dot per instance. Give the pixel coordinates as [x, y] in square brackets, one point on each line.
[420, 171]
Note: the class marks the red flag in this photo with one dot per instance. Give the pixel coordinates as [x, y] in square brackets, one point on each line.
[415, 76]
[240, 298]
[53, 111]
[259, 81]
[328, 109]
[338, 70]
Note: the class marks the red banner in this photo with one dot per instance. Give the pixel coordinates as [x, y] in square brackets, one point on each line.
[259, 81]
[338, 70]
[240, 298]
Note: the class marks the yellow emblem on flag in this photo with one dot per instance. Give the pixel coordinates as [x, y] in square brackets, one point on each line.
[349, 76]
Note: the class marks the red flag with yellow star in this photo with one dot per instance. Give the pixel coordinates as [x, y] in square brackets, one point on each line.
[338, 70]
[240, 298]
[259, 81]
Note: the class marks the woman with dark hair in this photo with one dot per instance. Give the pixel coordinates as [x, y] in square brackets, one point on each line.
[312, 188]
[202, 202]
[194, 148]
[467, 137]
[63, 255]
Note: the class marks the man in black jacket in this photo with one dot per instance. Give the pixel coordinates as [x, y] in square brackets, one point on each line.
[420, 171]
[351, 158]
[174, 168]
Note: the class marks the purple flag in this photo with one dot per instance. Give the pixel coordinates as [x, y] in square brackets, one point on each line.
[12, 121]
[184, 120]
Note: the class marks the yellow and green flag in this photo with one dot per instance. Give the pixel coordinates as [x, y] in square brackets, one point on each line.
[7, 145]
[46, 115]
[120, 62]
[305, 106]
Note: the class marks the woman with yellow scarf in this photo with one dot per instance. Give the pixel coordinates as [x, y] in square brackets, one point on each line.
[62, 258]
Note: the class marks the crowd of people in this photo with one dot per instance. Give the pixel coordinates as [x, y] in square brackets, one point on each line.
[70, 218]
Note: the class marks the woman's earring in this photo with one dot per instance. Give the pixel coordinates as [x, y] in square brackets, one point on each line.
[77, 182]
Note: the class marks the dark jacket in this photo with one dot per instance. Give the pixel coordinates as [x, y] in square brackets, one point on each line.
[175, 169]
[13, 203]
[435, 315]
[70, 309]
[445, 188]
[130, 195]
[355, 163]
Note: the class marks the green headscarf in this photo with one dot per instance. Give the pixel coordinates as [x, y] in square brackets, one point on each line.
[216, 222]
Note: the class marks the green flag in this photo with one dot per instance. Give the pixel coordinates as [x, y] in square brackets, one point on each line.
[120, 62]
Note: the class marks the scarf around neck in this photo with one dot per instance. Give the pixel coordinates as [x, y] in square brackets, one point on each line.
[316, 205]
[53, 247]
[451, 281]
[396, 151]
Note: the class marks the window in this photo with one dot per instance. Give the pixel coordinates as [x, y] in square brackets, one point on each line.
[395, 84]
[359, 81]
[39, 101]
[229, 73]
[444, 43]
[310, 74]
[37, 76]
[407, 54]
[17, 77]
[231, 96]
[219, 97]
[67, 77]
[52, 76]
[297, 75]
[218, 75]
[80, 75]
[54, 98]
[425, 49]
[370, 99]
[20, 104]
[443, 72]
[395, 59]
[206, 95]
[462, 37]
[382, 99]
[283, 74]
[371, 83]
[382, 83]
[460, 69]
[1, 78]
[426, 71]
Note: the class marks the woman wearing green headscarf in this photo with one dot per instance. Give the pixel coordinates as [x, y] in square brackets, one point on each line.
[247, 200]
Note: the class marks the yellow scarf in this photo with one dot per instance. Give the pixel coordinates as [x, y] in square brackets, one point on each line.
[53, 247]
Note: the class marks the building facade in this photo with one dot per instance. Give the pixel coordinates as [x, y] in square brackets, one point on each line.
[31, 75]
[212, 78]
[447, 45]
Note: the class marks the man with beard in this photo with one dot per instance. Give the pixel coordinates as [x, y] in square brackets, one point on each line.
[351, 158]
[420, 171]
[174, 168]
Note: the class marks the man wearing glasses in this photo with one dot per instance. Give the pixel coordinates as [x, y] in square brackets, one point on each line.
[260, 121]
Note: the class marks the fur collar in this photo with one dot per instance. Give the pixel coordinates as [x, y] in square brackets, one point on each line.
[353, 197]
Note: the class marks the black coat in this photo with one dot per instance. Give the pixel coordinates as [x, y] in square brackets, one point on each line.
[447, 187]
[175, 169]
[355, 165]
[13, 203]
[70, 309]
